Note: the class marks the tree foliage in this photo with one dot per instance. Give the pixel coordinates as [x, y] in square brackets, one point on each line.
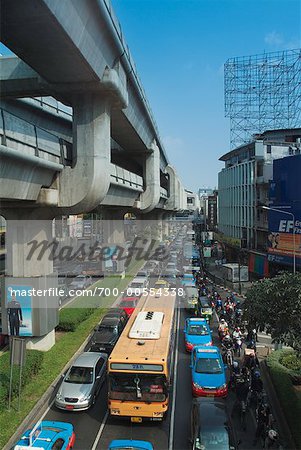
[275, 305]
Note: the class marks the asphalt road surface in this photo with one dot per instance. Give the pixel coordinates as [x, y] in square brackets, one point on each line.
[95, 430]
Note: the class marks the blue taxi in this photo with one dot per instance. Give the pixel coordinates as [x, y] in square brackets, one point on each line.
[48, 435]
[188, 280]
[196, 332]
[208, 372]
[127, 444]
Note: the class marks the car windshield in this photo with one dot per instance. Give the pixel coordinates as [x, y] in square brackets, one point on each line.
[205, 305]
[199, 330]
[137, 387]
[208, 365]
[142, 274]
[80, 375]
[214, 439]
[159, 285]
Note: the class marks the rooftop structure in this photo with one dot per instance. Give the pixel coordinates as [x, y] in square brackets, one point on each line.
[262, 92]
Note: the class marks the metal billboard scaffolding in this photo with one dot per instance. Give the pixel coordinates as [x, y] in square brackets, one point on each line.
[262, 92]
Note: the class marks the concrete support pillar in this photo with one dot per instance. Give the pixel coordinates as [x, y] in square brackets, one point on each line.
[29, 263]
[152, 224]
[84, 186]
[151, 174]
[166, 224]
[21, 237]
[113, 231]
[113, 226]
[173, 202]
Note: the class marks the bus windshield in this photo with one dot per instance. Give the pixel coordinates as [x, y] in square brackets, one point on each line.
[137, 387]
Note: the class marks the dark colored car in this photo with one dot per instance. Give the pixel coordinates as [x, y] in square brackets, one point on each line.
[211, 426]
[93, 269]
[119, 313]
[107, 334]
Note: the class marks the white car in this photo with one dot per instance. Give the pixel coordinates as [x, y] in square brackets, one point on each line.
[82, 382]
[137, 287]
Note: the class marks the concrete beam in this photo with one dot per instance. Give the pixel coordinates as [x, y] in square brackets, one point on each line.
[22, 175]
[17, 79]
[51, 36]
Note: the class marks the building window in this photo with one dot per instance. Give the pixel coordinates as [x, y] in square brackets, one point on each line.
[269, 149]
[259, 170]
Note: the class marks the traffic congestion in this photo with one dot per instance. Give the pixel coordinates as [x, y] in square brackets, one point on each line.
[173, 365]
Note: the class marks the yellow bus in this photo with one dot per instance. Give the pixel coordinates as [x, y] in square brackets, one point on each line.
[139, 367]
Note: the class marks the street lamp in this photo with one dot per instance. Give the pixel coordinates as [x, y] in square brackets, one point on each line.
[294, 243]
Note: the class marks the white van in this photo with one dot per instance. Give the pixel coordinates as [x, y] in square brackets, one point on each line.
[136, 287]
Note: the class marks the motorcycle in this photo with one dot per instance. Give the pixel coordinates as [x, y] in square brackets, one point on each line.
[237, 345]
[243, 413]
[228, 356]
[222, 333]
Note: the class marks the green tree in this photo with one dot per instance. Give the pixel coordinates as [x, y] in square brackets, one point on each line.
[275, 304]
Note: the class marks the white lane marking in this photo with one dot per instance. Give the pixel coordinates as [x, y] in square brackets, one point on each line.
[172, 416]
[47, 410]
[100, 431]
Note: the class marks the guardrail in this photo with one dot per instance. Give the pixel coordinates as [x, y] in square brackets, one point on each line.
[125, 178]
[15, 131]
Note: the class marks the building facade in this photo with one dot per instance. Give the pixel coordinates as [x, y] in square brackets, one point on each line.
[243, 188]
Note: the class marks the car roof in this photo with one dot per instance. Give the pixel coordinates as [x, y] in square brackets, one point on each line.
[129, 299]
[208, 352]
[197, 321]
[127, 443]
[114, 312]
[138, 280]
[50, 430]
[204, 301]
[87, 359]
[212, 411]
[110, 320]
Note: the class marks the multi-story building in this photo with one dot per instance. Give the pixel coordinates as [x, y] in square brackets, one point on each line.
[204, 193]
[243, 187]
[193, 202]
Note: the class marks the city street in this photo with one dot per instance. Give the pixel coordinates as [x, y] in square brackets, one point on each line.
[150, 163]
[95, 430]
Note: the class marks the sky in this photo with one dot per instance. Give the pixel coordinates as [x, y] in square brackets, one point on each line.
[180, 47]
